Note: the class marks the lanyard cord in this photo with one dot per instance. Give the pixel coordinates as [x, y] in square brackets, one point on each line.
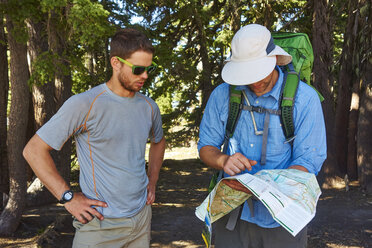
[256, 132]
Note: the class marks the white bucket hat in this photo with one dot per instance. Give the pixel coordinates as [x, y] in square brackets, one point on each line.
[254, 56]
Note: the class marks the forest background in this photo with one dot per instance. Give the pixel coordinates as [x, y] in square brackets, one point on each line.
[51, 49]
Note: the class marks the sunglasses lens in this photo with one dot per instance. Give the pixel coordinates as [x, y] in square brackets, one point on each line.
[138, 70]
[150, 69]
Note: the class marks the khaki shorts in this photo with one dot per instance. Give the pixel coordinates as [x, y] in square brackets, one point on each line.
[114, 233]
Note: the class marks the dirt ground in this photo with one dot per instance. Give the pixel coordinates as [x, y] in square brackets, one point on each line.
[343, 219]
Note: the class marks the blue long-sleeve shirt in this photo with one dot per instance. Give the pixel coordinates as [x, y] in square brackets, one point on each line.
[309, 147]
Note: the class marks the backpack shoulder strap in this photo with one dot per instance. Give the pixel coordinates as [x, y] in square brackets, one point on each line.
[288, 95]
[235, 107]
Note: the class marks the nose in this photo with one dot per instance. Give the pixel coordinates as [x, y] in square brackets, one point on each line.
[144, 75]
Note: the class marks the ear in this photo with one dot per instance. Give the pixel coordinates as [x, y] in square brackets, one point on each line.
[115, 63]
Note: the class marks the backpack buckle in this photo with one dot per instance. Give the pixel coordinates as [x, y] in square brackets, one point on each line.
[258, 109]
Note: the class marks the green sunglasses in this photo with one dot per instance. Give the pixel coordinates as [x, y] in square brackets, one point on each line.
[138, 69]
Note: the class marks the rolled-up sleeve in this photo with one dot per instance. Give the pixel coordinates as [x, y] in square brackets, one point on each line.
[212, 127]
[309, 147]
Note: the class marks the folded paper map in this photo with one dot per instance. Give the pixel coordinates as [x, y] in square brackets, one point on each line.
[290, 196]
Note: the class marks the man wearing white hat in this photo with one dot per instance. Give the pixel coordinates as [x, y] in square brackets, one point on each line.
[254, 68]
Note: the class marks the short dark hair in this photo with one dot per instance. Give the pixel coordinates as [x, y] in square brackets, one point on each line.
[127, 41]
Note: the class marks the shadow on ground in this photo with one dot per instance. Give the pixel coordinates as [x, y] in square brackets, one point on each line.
[343, 219]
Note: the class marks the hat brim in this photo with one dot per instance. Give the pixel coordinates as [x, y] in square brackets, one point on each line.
[248, 72]
[252, 71]
[283, 58]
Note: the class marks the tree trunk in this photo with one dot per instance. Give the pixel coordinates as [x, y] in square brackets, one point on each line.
[19, 76]
[361, 55]
[236, 13]
[364, 147]
[364, 133]
[43, 104]
[29, 133]
[43, 100]
[268, 19]
[63, 83]
[323, 80]
[4, 88]
[63, 86]
[344, 91]
[205, 81]
[352, 171]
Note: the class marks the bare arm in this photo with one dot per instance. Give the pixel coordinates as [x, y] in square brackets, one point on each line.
[156, 155]
[37, 154]
[298, 167]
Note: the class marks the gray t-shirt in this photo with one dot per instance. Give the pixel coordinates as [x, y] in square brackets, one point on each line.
[111, 134]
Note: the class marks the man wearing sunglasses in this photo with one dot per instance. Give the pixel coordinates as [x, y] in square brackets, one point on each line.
[111, 124]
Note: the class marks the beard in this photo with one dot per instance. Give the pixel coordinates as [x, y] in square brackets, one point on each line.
[126, 83]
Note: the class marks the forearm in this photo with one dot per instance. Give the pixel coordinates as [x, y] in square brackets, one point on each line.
[213, 157]
[298, 167]
[36, 153]
[156, 156]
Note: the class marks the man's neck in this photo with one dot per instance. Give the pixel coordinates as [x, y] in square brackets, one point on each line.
[118, 89]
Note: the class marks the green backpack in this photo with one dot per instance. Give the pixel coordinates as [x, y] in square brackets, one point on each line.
[299, 47]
